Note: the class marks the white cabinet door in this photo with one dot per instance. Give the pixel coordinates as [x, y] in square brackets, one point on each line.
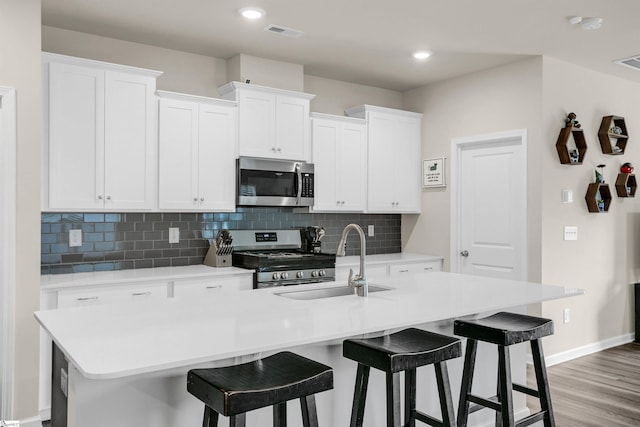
[76, 136]
[130, 141]
[217, 157]
[339, 156]
[257, 120]
[178, 154]
[100, 139]
[197, 142]
[394, 153]
[292, 128]
[272, 123]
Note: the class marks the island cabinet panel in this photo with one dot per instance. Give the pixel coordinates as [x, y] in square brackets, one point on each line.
[272, 123]
[394, 159]
[414, 268]
[204, 287]
[197, 150]
[111, 295]
[100, 149]
[339, 155]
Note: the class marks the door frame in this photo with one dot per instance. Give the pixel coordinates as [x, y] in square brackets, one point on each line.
[7, 246]
[519, 136]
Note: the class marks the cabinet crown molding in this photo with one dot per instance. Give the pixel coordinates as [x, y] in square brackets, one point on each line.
[230, 88]
[65, 59]
[361, 110]
[345, 119]
[165, 94]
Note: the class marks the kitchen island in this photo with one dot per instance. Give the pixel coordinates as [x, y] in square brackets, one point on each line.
[125, 364]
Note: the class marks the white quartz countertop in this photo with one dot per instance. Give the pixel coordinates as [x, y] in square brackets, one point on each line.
[119, 340]
[58, 281]
[399, 258]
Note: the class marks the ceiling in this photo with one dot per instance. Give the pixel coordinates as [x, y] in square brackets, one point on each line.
[370, 41]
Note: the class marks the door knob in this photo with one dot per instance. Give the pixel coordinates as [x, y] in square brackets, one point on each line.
[464, 253]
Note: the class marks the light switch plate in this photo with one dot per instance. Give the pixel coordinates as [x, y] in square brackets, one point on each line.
[370, 231]
[75, 238]
[174, 235]
[570, 232]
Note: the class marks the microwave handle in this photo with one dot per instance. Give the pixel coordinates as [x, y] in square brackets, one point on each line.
[299, 174]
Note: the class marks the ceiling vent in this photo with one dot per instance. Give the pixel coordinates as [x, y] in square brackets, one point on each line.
[632, 62]
[283, 31]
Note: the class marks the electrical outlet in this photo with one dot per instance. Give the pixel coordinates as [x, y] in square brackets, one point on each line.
[174, 235]
[566, 315]
[75, 238]
[371, 231]
[570, 232]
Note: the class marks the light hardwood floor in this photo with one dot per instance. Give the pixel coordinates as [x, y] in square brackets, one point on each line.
[599, 390]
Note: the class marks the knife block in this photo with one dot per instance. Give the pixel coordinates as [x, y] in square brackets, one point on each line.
[218, 257]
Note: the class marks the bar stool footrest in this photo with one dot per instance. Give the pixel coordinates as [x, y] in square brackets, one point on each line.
[526, 390]
[531, 419]
[427, 419]
[481, 403]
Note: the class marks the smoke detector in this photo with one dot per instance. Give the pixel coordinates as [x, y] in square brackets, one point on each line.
[283, 31]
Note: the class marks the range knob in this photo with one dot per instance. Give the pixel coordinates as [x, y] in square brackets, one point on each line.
[284, 275]
[300, 274]
[275, 276]
[314, 273]
[322, 273]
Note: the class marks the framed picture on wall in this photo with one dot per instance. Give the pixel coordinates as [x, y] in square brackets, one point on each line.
[433, 173]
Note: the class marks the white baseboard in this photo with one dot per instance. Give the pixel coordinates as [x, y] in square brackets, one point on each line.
[31, 422]
[585, 350]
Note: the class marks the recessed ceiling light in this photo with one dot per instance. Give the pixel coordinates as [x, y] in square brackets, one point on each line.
[421, 54]
[252, 12]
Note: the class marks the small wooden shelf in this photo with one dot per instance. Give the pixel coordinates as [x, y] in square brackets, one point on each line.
[613, 143]
[592, 193]
[563, 150]
[626, 185]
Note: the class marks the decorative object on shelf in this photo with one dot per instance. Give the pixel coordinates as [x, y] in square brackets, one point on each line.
[599, 174]
[598, 197]
[569, 155]
[433, 172]
[626, 168]
[571, 121]
[613, 135]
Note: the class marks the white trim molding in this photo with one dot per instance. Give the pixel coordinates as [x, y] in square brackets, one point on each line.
[585, 350]
[7, 246]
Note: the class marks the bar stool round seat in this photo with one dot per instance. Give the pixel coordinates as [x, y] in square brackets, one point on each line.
[505, 329]
[403, 351]
[233, 391]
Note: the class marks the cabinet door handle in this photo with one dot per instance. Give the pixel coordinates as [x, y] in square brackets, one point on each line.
[100, 197]
[202, 199]
[108, 197]
[195, 200]
[279, 150]
[140, 294]
[273, 149]
[404, 271]
[87, 299]
[214, 287]
[428, 268]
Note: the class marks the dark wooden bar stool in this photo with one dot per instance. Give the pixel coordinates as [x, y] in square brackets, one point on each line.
[403, 351]
[505, 329]
[235, 390]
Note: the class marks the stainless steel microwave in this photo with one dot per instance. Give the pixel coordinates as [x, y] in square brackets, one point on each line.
[265, 182]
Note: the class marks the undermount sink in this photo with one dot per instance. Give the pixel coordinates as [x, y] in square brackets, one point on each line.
[308, 294]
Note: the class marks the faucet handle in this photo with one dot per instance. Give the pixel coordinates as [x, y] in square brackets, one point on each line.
[350, 280]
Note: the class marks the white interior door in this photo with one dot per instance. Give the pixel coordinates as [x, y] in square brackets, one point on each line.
[7, 246]
[491, 206]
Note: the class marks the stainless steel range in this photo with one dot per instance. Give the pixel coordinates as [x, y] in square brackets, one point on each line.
[278, 258]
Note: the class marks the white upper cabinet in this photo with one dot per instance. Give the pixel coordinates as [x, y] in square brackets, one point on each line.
[100, 135]
[394, 159]
[272, 123]
[340, 157]
[197, 152]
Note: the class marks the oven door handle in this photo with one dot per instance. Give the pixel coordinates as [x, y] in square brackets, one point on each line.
[299, 175]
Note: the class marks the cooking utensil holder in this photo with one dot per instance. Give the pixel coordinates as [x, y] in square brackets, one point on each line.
[218, 256]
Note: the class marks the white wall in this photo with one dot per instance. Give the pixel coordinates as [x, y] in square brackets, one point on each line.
[499, 99]
[183, 72]
[605, 260]
[266, 72]
[20, 69]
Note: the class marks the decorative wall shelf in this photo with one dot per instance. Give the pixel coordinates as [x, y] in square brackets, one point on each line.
[563, 150]
[626, 185]
[611, 142]
[592, 197]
